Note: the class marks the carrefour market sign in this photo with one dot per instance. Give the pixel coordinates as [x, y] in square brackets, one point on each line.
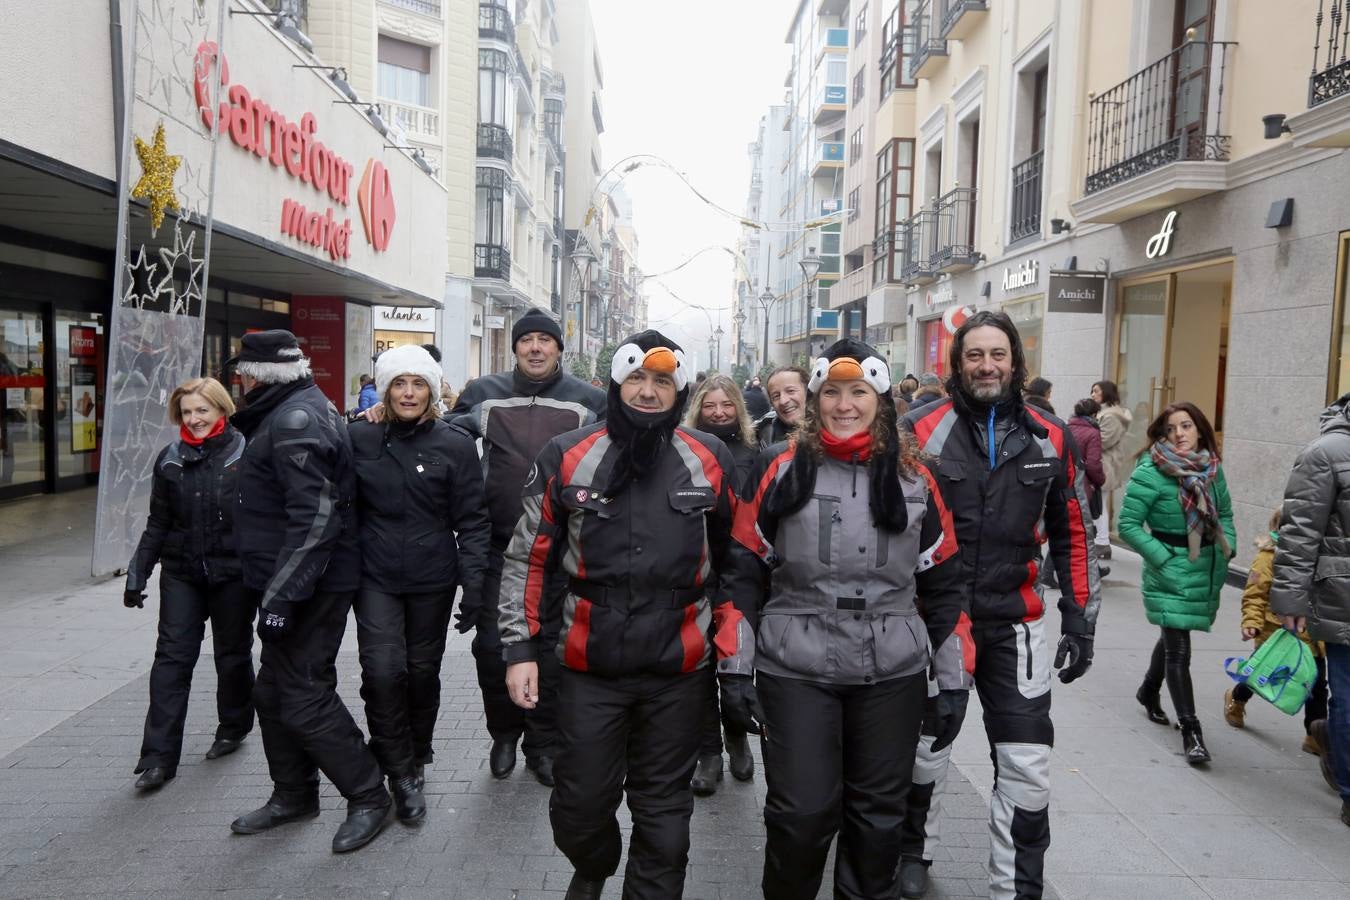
[293, 146]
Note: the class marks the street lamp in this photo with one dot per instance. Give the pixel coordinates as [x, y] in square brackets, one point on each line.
[739, 319]
[718, 334]
[810, 264]
[582, 258]
[766, 300]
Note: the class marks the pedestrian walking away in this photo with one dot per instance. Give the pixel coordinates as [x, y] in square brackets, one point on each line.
[424, 529]
[1259, 622]
[1087, 434]
[842, 653]
[1179, 491]
[1002, 468]
[637, 513]
[1308, 588]
[718, 408]
[755, 400]
[787, 395]
[515, 414]
[297, 538]
[190, 533]
[1114, 421]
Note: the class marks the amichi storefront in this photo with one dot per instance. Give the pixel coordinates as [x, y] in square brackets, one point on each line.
[315, 218]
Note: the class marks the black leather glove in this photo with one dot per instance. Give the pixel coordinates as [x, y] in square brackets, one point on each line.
[740, 704]
[274, 625]
[133, 599]
[469, 612]
[950, 709]
[1074, 656]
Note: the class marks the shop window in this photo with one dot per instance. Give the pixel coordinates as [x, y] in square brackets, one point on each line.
[1029, 317]
[404, 71]
[22, 387]
[1338, 378]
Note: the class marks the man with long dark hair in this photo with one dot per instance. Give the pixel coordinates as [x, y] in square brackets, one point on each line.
[1003, 467]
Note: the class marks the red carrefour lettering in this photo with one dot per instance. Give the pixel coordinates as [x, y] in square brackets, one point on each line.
[375, 196]
[207, 53]
[320, 231]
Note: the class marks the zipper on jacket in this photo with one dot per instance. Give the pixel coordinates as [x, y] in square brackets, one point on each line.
[989, 432]
[853, 465]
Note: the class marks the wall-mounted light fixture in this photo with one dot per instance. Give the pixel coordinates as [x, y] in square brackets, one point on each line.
[1059, 226]
[283, 22]
[1275, 125]
[337, 75]
[1281, 213]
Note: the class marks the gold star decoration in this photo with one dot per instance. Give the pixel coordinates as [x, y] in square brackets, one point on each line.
[157, 171]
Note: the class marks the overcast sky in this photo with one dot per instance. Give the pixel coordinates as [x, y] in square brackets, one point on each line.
[688, 81]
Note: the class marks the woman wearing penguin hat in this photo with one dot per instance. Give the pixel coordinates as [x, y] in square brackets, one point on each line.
[840, 566]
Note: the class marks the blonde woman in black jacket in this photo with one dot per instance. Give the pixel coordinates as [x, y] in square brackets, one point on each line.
[424, 528]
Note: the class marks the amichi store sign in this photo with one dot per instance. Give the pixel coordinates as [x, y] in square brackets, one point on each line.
[1073, 293]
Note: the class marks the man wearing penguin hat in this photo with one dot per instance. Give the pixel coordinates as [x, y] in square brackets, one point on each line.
[636, 511]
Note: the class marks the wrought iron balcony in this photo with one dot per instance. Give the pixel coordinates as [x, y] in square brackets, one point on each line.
[929, 45]
[491, 261]
[425, 7]
[1331, 75]
[920, 234]
[954, 243]
[1171, 111]
[1026, 197]
[494, 141]
[959, 17]
[495, 22]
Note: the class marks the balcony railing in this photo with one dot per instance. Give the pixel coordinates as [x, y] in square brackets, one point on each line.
[425, 7]
[921, 247]
[491, 261]
[419, 122]
[954, 245]
[955, 24]
[835, 39]
[1171, 111]
[495, 22]
[494, 141]
[1026, 197]
[524, 72]
[928, 41]
[1331, 75]
[830, 151]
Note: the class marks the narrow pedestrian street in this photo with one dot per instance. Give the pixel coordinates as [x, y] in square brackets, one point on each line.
[1130, 818]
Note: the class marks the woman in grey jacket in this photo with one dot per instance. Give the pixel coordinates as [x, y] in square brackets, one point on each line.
[835, 565]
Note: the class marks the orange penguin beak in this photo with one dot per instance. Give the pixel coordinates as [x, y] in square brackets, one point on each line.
[844, 369]
[662, 359]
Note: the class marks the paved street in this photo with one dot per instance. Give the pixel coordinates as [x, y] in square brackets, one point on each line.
[1130, 819]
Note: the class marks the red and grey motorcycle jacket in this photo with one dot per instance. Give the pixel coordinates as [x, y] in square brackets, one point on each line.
[999, 490]
[641, 565]
[832, 597]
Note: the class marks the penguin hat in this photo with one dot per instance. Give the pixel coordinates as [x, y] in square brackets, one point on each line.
[851, 360]
[651, 350]
[641, 435]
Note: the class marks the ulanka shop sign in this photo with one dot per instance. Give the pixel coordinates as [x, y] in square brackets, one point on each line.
[257, 127]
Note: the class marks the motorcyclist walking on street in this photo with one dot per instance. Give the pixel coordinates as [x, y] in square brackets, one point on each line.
[296, 528]
[637, 513]
[1003, 467]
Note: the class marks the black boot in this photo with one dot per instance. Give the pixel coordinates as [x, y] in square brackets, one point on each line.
[1152, 704]
[583, 888]
[541, 768]
[742, 762]
[361, 827]
[707, 774]
[913, 878]
[154, 778]
[273, 813]
[502, 757]
[1193, 743]
[409, 804]
[223, 747]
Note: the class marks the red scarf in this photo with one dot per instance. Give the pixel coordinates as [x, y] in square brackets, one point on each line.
[216, 431]
[844, 448]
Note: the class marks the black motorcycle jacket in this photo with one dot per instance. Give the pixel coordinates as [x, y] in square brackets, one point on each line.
[296, 518]
[641, 564]
[1004, 472]
[190, 530]
[423, 524]
[516, 417]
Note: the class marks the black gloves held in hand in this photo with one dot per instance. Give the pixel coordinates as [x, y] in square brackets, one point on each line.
[273, 626]
[950, 707]
[469, 612]
[133, 599]
[740, 703]
[1074, 656]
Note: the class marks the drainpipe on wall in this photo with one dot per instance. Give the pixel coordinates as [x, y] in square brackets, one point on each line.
[118, 82]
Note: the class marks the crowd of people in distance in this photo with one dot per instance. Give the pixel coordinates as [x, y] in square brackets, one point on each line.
[655, 569]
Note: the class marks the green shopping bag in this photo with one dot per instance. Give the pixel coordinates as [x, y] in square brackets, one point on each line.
[1282, 670]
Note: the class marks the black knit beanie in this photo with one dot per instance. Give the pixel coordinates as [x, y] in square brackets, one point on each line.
[535, 319]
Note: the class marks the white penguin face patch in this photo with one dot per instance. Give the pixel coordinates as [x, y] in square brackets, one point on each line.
[630, 357]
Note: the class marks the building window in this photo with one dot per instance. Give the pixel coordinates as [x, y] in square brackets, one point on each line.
[495, 100]
[1031, 86]
[859, 80]
[491, 208]
[894, 199]
[897, 45]
[855, 146]
[885, 225]
[860, 25]
[404, 71]
[853, 202]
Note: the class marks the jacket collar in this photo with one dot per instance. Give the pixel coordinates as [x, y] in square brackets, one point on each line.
[528, 387]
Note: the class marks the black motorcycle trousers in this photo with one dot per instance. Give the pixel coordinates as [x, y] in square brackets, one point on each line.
[638, 734]
[505, 720]
[306, 728]
[837, 760]
[185, 606]
[713, 724]
[402, 642]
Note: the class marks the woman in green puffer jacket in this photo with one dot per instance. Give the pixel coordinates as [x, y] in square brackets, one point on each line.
[1179, 492]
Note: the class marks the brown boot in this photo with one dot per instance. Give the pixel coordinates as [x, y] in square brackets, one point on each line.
[1234, 711]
